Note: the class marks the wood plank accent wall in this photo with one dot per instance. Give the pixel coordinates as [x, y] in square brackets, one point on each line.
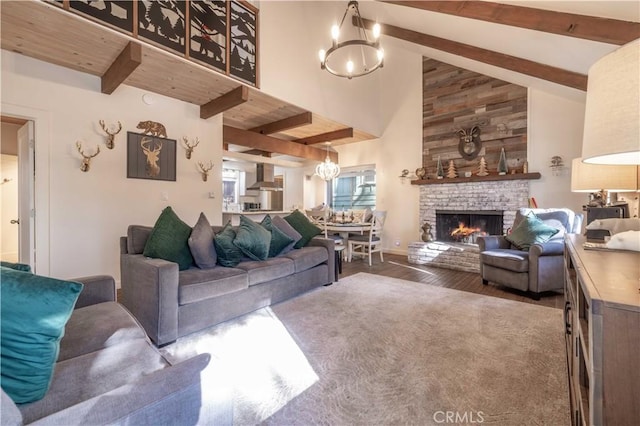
[455, 98]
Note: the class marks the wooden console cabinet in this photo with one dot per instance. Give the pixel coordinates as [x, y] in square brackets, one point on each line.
[602, 318]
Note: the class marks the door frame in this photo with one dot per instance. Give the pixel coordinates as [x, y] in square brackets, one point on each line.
[41, 193]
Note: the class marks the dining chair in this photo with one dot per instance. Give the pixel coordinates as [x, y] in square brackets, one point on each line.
[320, 219]
[371, 241]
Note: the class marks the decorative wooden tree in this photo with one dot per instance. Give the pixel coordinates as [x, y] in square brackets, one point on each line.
[451, 170]
[439, 170]
[482, 169]
[502, 164]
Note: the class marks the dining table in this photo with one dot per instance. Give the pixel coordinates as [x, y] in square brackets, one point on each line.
[343, 229]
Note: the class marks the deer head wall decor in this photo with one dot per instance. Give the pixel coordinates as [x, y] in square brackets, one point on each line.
[152, 154]
[86, 159]
[469, 145]
[205, 169]
[110, 134]
[189, 147]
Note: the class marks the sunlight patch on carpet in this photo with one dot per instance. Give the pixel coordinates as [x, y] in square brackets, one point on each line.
[257, 357]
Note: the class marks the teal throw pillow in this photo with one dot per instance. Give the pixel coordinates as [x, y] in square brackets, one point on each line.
[17, 266]
[169, 240]
[279, 240]
[531, 231]
[252, 239]
[33, 311]
[301, 223]
[201, 244]
[228, 254]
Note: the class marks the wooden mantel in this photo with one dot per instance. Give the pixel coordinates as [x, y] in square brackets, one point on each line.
[515, 176]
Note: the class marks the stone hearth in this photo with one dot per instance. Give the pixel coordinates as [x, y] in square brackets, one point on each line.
[508, 195]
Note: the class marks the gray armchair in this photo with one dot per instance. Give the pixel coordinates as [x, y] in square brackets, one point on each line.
[537, 270]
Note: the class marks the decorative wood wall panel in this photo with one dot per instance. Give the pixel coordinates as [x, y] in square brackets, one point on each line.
[454, 99]
[219, 34]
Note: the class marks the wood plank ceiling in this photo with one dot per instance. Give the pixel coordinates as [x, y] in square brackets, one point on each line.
[49, 33]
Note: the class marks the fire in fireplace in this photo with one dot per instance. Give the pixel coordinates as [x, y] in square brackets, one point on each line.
[464, 226]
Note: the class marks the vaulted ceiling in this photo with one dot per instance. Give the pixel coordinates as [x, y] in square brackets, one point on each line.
[550, 41]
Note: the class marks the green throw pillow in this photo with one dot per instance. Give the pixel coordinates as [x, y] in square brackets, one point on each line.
[301, 223]
[17, 266]
[169, 240]
[228, 254]
[33, 311]
[279, 240]
[252, 239]
[531, 231]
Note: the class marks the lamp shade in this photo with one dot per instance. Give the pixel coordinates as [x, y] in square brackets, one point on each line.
[595, 177]
[611, 122]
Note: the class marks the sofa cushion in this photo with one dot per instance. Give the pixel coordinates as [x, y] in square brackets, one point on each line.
[284, 226]
[33, 312]
[307, 257]
[562, 219]
[17, 266]
[169, 240]
[279, 240]
[513, 260]
[253, 239]
[228, 254]
[201, 244]
[531, 230]
[304, 227]
[199, 284]
[81, 378]
[267, 270]
[95, 327]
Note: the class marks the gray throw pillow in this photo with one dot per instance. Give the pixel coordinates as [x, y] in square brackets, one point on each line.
[284, 226]
[201, 244]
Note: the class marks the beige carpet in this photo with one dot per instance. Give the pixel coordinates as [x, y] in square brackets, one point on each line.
[371, 350]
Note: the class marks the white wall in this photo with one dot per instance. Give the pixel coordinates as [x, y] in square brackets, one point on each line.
[88, 212]
[9, 207]
[555, 128]
[399, 147]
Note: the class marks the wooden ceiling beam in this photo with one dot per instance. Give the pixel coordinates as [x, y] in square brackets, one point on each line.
[593, 28]
[285, 124]
[255, 140]
[257, 152]
[126, 62]
[523, 66]
[327, 137]
[233, 98]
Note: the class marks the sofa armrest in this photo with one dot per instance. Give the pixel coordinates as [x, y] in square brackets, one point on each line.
[328, 244]
[150, 293]
[492, 242]
[10, 414]
[97, 289]
[550, 248]
[171, 395]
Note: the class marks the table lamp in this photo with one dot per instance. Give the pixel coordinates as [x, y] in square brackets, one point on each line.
[601, 180]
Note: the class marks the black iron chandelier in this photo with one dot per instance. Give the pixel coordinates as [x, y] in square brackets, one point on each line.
[359, 56]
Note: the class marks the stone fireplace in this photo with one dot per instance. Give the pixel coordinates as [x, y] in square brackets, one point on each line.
[488, 198]
[464, 226]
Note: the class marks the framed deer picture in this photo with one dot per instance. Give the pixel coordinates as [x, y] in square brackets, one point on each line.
[150, 157]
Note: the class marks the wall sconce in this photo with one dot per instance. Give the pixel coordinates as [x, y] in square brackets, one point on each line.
[557, 165]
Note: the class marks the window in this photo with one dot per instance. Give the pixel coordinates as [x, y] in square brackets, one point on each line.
[230, 186]
[355, 188]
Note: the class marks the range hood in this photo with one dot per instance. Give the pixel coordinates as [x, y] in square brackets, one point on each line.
[264, 178]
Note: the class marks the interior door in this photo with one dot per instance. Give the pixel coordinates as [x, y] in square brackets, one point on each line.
[26, 211]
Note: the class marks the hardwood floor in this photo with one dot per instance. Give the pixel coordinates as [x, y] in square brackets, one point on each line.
[397, 266]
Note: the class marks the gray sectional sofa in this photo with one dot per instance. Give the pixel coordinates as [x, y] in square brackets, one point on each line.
[108, 372]
[170, 303]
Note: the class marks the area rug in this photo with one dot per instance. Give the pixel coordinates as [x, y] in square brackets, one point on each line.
[372, 350]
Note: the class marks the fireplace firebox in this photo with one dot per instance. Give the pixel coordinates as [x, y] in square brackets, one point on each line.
[464, 226]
